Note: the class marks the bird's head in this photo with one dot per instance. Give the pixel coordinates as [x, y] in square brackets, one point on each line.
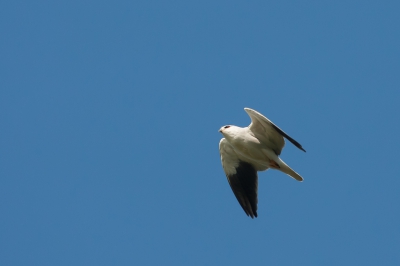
[224, 129]
[229, 131]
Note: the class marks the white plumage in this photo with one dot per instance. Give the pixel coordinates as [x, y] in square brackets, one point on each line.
[244, 151]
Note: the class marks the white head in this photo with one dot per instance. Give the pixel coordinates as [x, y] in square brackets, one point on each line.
[229, 131]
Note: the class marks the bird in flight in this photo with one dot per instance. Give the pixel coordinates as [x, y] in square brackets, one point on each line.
[246, 150]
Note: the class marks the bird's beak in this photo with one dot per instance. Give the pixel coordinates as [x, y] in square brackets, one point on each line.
[220, 131]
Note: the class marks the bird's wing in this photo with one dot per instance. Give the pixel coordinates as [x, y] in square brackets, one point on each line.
[268, 132]
[242, 178]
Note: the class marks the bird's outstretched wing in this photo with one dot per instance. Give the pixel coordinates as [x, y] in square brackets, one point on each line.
[268, 132]
[242, 178]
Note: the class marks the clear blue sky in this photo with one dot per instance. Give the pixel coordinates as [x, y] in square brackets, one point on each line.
[110, 113]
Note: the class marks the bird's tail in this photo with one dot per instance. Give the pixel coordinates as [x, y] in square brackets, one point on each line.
[287, 170]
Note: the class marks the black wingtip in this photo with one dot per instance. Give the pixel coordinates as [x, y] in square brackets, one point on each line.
[295, 143]
[244, 185]
[252, 215]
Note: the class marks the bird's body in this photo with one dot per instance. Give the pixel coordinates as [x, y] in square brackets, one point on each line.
[244, 151]
[244, 142]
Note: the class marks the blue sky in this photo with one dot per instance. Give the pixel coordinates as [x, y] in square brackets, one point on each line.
[110, 113]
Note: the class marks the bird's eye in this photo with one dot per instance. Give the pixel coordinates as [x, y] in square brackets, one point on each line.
[227, 126]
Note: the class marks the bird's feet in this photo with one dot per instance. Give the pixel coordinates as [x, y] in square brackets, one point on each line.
[273, 164]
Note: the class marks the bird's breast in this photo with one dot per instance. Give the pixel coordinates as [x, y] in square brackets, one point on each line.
[249, 147]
